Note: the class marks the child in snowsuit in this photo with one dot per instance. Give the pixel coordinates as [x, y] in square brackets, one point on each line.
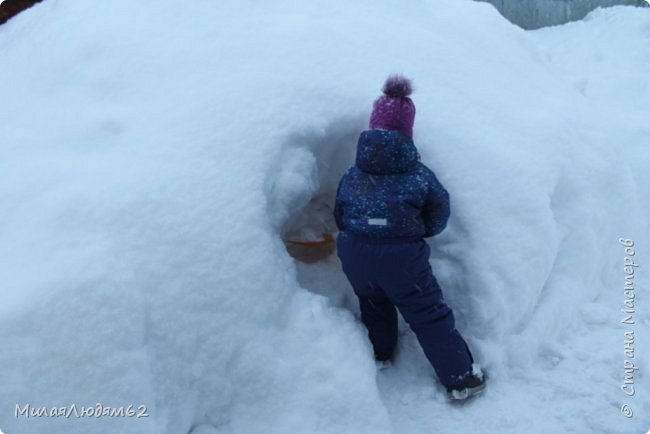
[385, 206]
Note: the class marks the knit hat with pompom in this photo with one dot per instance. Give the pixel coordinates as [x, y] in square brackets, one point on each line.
[394, 110]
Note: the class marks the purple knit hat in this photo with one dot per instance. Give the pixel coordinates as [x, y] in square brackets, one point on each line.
[394, 110]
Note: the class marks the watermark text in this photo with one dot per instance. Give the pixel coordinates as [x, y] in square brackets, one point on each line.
[97, 411]
[629, 297]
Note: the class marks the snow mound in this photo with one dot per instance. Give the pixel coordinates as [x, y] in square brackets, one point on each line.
[154, 158]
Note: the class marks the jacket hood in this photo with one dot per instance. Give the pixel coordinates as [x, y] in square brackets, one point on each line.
[383, 152]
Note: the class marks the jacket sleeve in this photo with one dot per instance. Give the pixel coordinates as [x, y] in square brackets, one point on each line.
[338, 207]
[436, 210]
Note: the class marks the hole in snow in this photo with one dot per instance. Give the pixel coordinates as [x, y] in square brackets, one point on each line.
[301, 186]
[301, 189]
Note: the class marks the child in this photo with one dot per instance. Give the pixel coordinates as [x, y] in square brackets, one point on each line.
[385, 206]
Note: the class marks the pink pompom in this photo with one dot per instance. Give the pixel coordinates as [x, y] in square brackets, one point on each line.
[397, 86]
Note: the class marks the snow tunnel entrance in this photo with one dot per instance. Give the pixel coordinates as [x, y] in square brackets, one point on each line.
[301, 190]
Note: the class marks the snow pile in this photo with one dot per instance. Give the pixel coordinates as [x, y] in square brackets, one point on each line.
[153, 158]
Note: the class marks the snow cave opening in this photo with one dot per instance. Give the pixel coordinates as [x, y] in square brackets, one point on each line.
[301, 190]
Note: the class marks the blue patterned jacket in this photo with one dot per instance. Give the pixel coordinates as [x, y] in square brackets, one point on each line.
[389, 193]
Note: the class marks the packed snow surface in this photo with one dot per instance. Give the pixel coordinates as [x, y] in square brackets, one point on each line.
[155, 154]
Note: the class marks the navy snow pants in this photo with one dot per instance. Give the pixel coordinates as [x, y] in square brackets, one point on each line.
[386, 274]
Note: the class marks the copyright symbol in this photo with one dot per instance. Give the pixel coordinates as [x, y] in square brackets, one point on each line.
[626, 410]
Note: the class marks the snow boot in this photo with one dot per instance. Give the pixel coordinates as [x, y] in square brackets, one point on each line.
[384, 355]
[471, 386]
